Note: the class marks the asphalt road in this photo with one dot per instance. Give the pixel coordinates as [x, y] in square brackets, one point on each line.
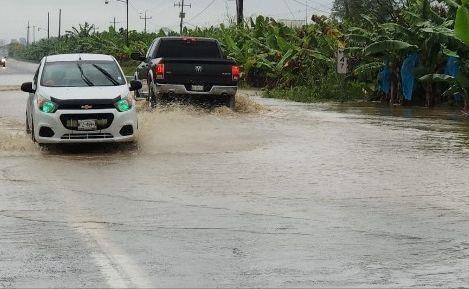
[290, 196]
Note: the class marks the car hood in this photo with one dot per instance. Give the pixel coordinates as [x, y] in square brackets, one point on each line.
[93, 92]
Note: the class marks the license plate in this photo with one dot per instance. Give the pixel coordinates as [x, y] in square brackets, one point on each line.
[198, 88]
[87, 124]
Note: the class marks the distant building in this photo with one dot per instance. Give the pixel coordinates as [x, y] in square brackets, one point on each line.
[293, 23]
[2, 42]
[23, 41]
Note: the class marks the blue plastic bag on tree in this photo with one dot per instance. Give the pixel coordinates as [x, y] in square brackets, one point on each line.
[407, 75]
[384, 80]
[452, 69]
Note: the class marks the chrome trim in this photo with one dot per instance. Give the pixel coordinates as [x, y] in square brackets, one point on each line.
[180, 89]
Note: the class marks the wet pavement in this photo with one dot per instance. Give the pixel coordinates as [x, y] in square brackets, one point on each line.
[292, 195]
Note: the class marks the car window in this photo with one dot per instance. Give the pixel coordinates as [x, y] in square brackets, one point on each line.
[180, 48]
[68, 74]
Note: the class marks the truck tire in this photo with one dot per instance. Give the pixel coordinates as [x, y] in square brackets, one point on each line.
[231, 102]
[138, 93]
[151, 99]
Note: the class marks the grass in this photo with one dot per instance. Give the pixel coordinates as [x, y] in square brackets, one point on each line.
[323, 91]
[129, 67]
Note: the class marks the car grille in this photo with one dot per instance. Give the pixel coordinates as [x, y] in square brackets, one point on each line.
[103, 120]
[87, 136]
[85, 104]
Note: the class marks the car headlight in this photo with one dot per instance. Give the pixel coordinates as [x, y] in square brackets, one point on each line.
[125, 103]
[46, 105]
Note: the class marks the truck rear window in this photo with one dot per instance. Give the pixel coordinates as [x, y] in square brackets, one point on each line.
[188, 49]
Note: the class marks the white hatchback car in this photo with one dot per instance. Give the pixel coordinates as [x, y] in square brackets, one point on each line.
[80, 98]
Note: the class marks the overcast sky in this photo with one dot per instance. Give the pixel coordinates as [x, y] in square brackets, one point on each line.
[14, 14]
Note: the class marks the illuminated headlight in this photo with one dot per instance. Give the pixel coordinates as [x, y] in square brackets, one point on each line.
[46, 105]
[125, 103]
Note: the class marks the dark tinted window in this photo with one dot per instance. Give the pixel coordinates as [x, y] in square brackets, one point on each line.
[179, 48]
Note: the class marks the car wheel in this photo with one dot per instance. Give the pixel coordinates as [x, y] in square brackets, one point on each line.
[231, 102]
[33, 135]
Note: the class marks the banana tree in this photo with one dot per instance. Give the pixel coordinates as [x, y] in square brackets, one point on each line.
[381, 44]
[460, 83]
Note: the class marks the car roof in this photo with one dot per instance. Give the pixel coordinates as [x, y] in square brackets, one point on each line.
[79, 56]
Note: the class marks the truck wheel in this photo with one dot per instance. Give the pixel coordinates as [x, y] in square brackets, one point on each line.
[152, 101]
[231, 102]
[138, 94]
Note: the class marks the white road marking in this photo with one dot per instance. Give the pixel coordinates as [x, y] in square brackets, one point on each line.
[119, 270]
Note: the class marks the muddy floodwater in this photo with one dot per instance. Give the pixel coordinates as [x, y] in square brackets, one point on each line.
[278, 194]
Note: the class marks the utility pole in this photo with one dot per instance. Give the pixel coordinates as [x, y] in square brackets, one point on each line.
[146, 18]
[182, 15]
[127, 4]
[114, 22]
[48, 25]
[27, 35]
[127, 35]
[60, 21]
[240, 11]
[34, 34]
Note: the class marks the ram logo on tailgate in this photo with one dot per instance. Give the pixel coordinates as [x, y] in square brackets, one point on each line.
[199, 69]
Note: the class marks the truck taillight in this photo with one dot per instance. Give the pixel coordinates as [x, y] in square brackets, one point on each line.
[235, 72]
[159, 71]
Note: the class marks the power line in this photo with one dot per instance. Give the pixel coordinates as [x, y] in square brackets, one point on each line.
[288, 6]
[311, 7]
[203, 10]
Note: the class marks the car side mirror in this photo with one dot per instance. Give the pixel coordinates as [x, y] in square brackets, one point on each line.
[28, 87]
[135, 85]
[137, 56]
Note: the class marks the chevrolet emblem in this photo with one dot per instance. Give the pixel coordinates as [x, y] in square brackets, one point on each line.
[87, 106]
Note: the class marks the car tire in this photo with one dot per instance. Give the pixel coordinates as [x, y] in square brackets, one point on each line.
[33, 135]
[28, 129]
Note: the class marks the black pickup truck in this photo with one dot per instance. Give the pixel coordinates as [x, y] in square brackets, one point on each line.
[186, 66]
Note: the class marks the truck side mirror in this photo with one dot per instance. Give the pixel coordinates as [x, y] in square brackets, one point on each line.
[137, 56]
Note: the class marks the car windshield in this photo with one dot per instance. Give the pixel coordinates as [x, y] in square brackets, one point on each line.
[189, 49]
[81, 74]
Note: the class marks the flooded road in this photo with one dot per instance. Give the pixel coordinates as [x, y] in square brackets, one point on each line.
[289, 195]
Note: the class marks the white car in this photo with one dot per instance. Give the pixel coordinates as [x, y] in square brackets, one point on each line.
[80, 98]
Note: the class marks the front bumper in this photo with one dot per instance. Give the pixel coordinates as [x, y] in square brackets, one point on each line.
[180, 89]
[64, 135]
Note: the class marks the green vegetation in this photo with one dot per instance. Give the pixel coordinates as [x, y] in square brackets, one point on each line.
[299, 63]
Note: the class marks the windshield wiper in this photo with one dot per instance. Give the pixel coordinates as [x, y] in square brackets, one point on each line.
[83, 76]
[107, 74]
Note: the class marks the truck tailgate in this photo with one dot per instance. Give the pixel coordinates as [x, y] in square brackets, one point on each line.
[199, 71]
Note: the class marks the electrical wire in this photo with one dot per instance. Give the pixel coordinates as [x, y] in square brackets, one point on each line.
[203, 10]
[289, 9]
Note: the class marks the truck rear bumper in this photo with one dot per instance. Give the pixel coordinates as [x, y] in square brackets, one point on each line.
[180, 89]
